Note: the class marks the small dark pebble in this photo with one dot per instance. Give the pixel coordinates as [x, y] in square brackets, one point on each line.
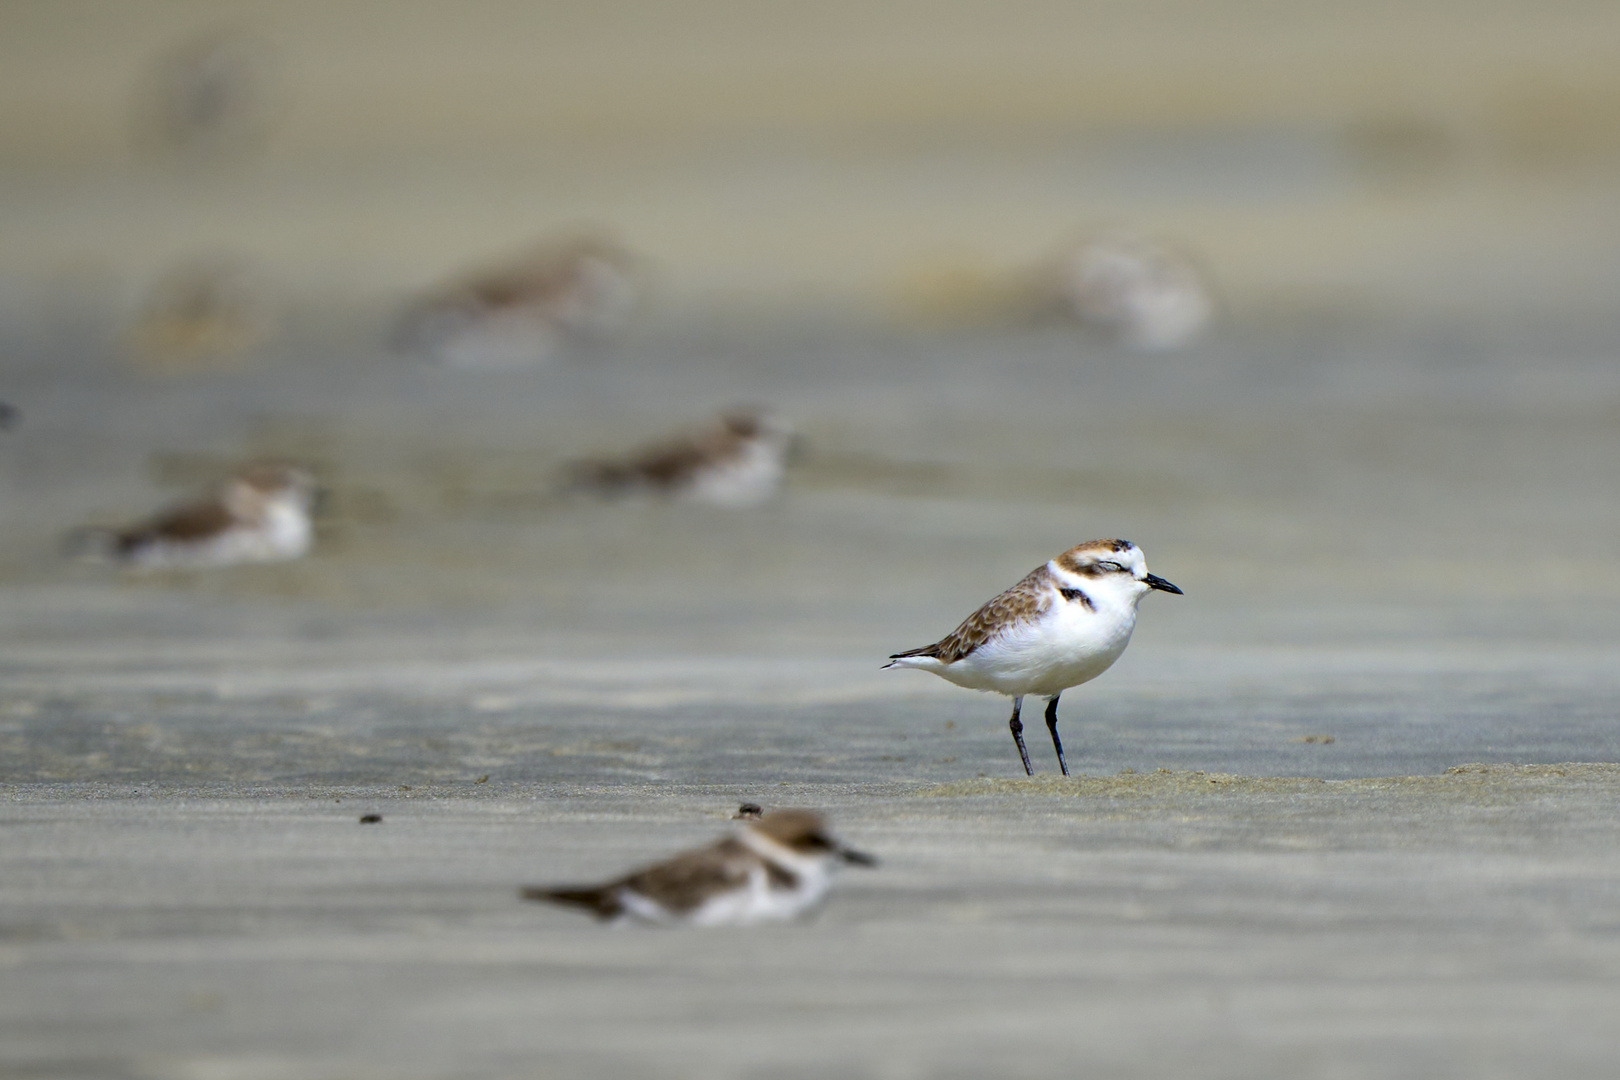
[748, 811]
[370, 819]
[482, 779]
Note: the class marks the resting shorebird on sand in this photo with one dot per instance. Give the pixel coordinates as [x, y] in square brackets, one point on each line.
[262, 514]
[1063, 625]
[740, 459]
[776, 866]
[1141, 293]
[521, 313]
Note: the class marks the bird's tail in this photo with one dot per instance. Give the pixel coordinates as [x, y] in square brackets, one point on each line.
[92, 543]
[606, 478]
[925, 657]
[601, 900]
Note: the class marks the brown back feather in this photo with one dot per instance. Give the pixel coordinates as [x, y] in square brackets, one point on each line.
[1022, 603]
[684, 882]
[671, 463]
[192, 522]
[667, 466]
[542, 275]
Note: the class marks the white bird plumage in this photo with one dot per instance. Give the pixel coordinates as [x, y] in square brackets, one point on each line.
[262, 514]
[778, 865]
[1064, 624]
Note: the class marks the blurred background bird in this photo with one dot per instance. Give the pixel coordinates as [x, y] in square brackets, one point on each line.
[213, 95]
[776, 866]
[203, 314]
[739, 459]
[264, 513]
[577, 289]
[1139, 292]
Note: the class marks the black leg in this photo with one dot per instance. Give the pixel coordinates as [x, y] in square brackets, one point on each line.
[1051, 725]
[1017, 726]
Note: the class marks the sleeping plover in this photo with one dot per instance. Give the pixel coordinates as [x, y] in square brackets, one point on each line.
[213, 96]
[739, 460]
[1061, 626]
[262, 514]
[1136, 291]
[522, 312]
[775, 867]
[202, 315]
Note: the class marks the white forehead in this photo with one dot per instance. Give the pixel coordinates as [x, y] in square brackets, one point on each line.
[1123, 552]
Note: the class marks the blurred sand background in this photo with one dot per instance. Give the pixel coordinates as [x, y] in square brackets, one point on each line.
[1387, 480]
[1318, 154]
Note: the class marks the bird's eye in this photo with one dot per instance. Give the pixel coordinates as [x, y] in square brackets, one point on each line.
[1111, 567]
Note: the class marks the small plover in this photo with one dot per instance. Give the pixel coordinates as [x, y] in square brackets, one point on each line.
[522, 312]
[776, 866]
[262, 514]
[1137, 291]
[202, 315]
[1064, 624]
[213, 96]
[738, 460]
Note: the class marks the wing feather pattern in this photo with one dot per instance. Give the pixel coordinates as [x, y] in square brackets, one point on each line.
[679, 886]
[196, 521]
[1023, 603]
[686, 881]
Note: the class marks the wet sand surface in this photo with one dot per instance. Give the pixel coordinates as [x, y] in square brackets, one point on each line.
[1327, 825]
[1460, 925]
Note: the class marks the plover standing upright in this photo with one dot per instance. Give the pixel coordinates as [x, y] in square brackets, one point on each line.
[776, 866]
[1064, 624]
[262, 514]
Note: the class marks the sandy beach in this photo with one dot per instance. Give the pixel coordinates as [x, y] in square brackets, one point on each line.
[1324, 828]
[1345, 809]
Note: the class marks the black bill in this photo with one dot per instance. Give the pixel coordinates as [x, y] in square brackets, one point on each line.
[1154, 581]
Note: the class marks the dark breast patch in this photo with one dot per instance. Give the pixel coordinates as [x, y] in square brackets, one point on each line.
[1072, 595]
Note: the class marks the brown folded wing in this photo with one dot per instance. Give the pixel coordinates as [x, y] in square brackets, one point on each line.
[195, 522]
[1024, 602]
[686, 881]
